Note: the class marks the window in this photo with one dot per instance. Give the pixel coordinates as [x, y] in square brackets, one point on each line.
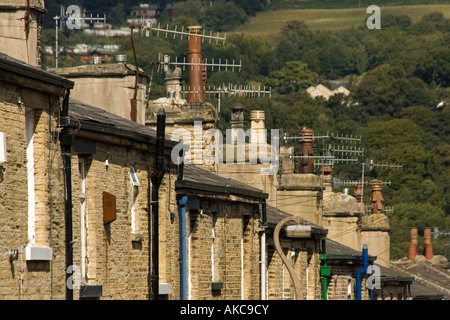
[134, 193]
[29, 136]
[134, 178]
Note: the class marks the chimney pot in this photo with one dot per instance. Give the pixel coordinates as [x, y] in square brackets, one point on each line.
[412, 247]
[196, 72]
[428, 246]
[307, 148]
[376, 197]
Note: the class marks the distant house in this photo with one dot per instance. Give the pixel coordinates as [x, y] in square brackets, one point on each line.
[147, 11]
[144, 10]
[322, 91]
[342, 90]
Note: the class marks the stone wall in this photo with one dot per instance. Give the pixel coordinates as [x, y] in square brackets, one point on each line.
[223, 247]
[306, 265]
[21, 279]
[117, 253]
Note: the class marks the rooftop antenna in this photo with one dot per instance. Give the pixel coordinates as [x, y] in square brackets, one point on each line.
[330, 153]
[148, 26]
[236, 90]
[371, 165]
[72, 20]
[196, 65]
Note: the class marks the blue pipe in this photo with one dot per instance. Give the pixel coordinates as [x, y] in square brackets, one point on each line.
[182, 203]
[360, 272]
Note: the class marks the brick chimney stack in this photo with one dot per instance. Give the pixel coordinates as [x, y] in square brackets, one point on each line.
[307, 148]
[428, 246]
[196, 72]
[412, 247]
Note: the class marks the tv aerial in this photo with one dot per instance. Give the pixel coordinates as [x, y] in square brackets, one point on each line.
[72, 19]
[197, 66]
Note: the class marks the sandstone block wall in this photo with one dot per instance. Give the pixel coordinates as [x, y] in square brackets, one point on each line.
[21, 279]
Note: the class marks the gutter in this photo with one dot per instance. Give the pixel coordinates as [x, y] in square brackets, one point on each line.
[186, 184]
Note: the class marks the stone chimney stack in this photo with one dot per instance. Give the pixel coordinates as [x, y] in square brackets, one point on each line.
[258, 130]
[196, 72]
[428, 246]
[20, 34]
[237, 119]
[307, 148]
[412, 248]
[173, 84]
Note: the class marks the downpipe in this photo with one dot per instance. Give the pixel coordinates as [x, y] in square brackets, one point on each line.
[65, 139]
[360, 272]
[156, 178]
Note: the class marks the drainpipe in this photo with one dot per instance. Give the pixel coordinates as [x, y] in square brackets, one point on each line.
[360, 272]
[66, 144]
[324, 274]
[156, 178]
[263, 251]
[182, 203]
[182, 200]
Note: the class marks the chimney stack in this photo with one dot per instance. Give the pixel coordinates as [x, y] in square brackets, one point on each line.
[376, 197]
[196, 72]
[412, 248]
[428, 246]
[307, 148]
[258, 129]
[20, 35]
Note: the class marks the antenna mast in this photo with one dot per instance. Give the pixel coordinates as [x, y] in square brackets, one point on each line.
[73, 20]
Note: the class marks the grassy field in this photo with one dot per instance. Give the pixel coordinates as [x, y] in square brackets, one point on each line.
[268, 24]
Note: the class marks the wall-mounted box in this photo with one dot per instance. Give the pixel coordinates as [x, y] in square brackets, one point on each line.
[298, 231]
[165, 288]
[216, 285]
[3, 152]
[91, 291]
[109, 207]
[38, 253]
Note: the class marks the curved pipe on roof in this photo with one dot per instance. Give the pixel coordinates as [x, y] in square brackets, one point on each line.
[276, 235]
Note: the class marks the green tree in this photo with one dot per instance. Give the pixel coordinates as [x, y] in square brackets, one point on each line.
[295, 40]
[224, 16]
[192, 9]
[116, 16]
[294, 76]
[251, 7]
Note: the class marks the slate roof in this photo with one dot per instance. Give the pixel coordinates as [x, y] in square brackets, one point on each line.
[90, 118]
[338, 251]
[431, 282]
[275, 215]
[201, 179]
[23, 69]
